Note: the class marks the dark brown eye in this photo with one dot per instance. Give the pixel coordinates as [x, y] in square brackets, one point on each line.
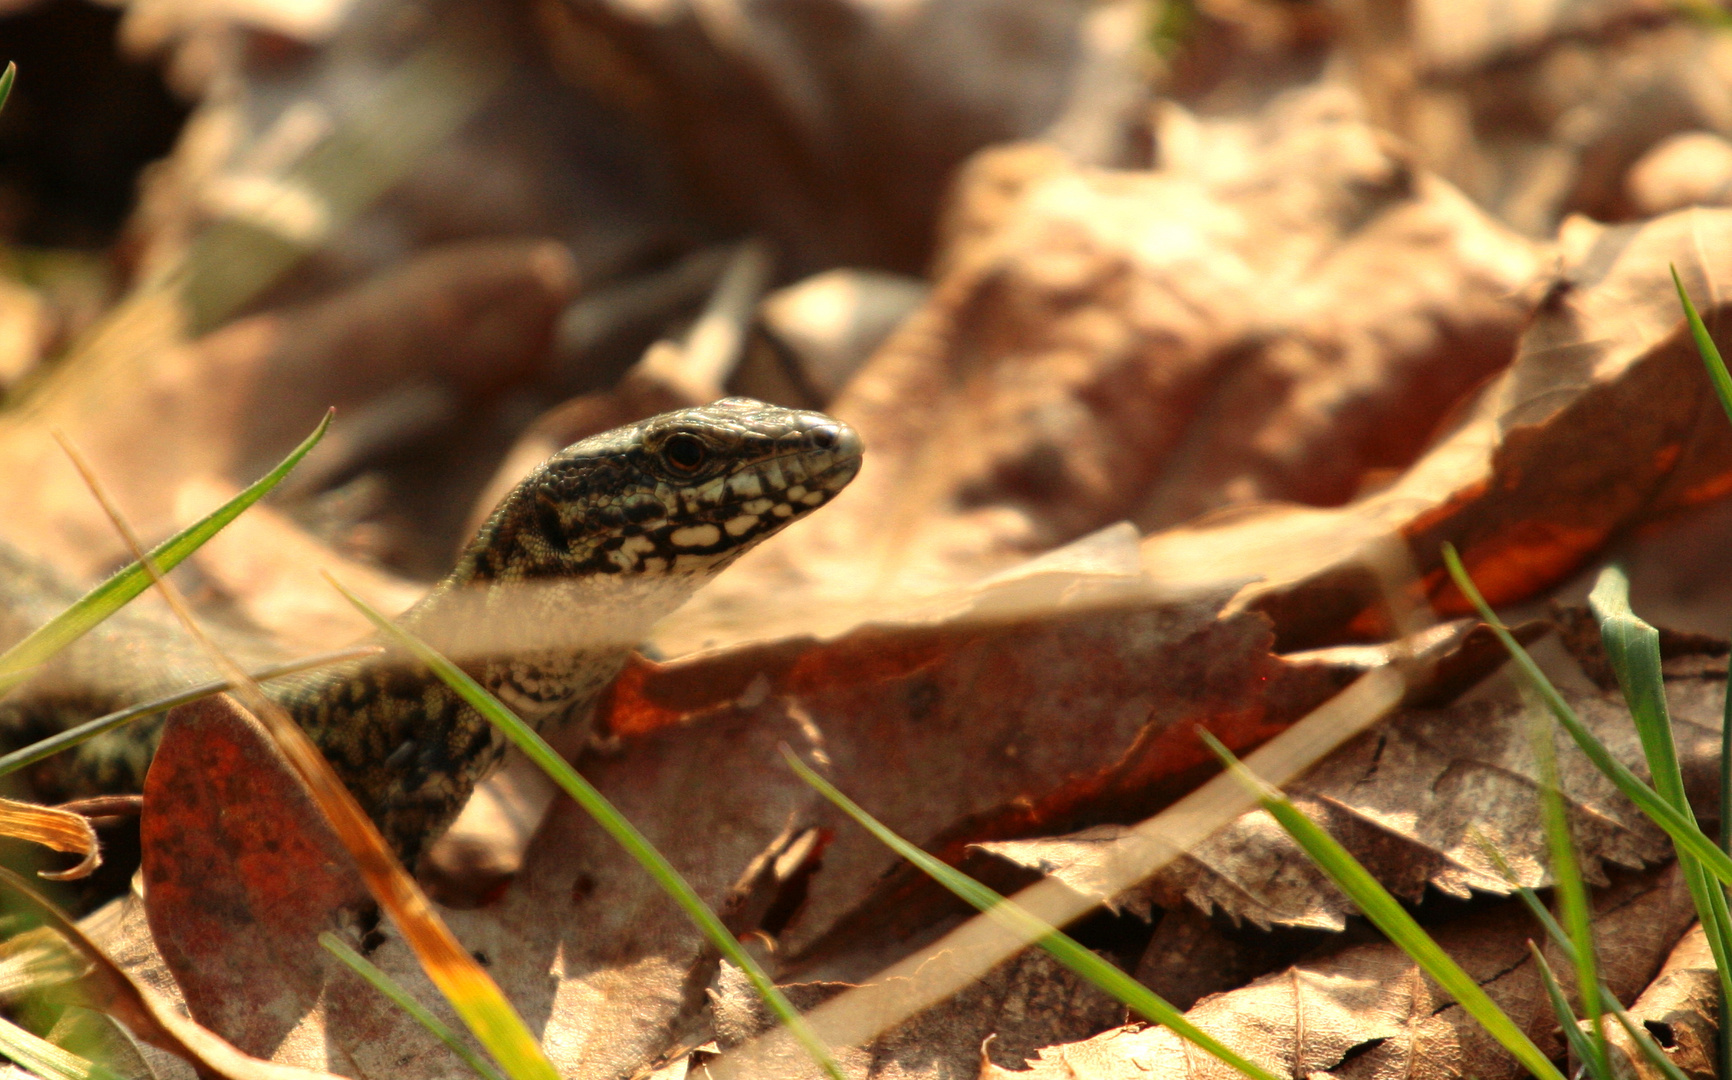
[685, 452]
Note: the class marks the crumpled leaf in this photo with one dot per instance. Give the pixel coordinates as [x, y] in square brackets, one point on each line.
[1679, 1010]
[1058, 703]
[1369, 1012]
[1415, 799]
[1604, 421]
[1285, 309]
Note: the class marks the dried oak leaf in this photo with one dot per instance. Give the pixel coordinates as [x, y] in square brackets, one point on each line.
[1679, 1010]
[1284, 308]
[242, 873]
[1369, 1013]
[1604, 421]
[1414, 799]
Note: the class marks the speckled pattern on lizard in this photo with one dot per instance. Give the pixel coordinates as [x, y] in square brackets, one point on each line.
[543, 608]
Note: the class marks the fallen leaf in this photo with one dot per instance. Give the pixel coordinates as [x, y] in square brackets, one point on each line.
[1603, 422]
[1369, 1012]
[1680, 1012]
[62, 830]
[1284, 308]
[1414, 800]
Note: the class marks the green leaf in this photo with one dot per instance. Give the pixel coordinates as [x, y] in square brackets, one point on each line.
[7, 77]
[104, 600]
[1389, 916]
[386, 985]
[609, 818]
[1063, 948]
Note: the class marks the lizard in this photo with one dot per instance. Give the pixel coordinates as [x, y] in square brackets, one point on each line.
[543, 608]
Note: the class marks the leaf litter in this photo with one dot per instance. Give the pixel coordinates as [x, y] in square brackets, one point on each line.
[1167, 316]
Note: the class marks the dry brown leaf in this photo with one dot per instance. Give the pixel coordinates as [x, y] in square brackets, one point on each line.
[1604, 421]
[1015, 1009]
[1283, 309]
[1679, 1010]
[1369, 1013]
[1412, 800]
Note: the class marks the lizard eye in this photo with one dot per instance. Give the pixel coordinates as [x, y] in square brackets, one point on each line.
[687, 453]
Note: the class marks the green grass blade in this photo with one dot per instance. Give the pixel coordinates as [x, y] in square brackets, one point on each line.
[1572, 895]
[1065, 949]
[90, 729]
[6, 79]
[109, 597]
[1579, 1044]
[383, 983]
[605, 815]
[1717, 373]
[1681, 829]
[1633, 648]
[44, 1058]
[1718, 930]
[1389, 916]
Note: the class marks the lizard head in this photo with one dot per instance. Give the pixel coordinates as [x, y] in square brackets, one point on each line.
[677, 496]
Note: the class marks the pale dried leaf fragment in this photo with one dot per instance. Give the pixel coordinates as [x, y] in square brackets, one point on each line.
[1368, 1012]
[53, 827]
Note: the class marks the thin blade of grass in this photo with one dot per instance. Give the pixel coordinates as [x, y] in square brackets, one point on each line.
[1680, 828]
[386, 985]
[1387, 914]
[1633, 648]
[1572, 894]
[605, 815]
[470, 990]
[90, 729]
[1579, 1044]
[113, 594]
[6, 79]
[1719, 928]
[1065, 949]
[44, 1058]
[1717, 373]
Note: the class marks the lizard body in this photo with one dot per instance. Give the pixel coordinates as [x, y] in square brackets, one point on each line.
[548, 600]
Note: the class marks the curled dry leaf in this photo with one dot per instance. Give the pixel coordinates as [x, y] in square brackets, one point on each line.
[1679, 1010]
[1415, 799]
[1604, 421]
[1284, 308]
[62, 830]
[1369, 1013]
